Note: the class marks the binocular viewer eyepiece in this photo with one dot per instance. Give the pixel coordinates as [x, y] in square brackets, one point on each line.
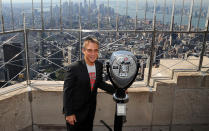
[122, 69]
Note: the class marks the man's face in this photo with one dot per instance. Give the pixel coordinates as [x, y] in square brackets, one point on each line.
[90, 53]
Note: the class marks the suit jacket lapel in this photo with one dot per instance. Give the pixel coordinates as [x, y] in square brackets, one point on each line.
[97, 73]
[84, 70]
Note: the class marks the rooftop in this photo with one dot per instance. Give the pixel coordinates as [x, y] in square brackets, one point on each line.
[38, 40]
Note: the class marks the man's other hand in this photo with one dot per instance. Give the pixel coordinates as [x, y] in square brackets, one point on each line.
[71, 119]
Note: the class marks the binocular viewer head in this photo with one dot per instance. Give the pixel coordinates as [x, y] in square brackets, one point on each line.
[123, 68]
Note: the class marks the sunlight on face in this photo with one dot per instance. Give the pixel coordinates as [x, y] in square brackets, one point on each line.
[90, 52]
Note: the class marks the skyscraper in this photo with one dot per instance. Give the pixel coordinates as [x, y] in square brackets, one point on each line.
[95, 3]
[14, 66]
[85, 4]
[69, 54]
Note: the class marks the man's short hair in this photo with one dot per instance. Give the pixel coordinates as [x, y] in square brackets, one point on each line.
[90, 39]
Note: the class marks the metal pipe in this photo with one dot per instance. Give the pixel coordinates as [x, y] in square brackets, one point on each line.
[33, 23]
[80, 41]
[207, 22]
[108, 14]
[200, 12]
[42, 16]
[126, 22]
[145, 12]
[28, 70]
[13, 31]
[61, 26]
[80, 32]
[190, 16]
[136, 19]
[117, 17]
[172, 22]
[182, 13]
[117, 21]
[122, 31]
[89, 12]
[98, 20]
[51, 11]
[164, 14]
[79, 13]
[12, 14]
[26, 53]
[70, 13]
[154, 15]
[2, 17]
[204, 42]
[172, 16]
[152, 50]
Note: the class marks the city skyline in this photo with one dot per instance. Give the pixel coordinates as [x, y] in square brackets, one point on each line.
[60, 49]
[120, 8]
[159, 2]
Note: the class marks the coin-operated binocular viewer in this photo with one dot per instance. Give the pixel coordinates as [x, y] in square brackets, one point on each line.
[122, 69]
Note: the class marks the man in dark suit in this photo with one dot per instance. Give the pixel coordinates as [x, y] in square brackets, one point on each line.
[80, 88]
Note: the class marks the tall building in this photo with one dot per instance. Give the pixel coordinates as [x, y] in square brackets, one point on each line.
[94, 6]
[95, 3]
[14, 66]
[69, 54]
[85, 4]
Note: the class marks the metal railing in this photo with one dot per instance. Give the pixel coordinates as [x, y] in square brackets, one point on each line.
[113, 32]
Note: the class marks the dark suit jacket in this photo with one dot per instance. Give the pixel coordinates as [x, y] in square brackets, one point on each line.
[77, 95]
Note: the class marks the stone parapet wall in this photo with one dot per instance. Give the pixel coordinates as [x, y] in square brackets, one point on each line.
[180, 104]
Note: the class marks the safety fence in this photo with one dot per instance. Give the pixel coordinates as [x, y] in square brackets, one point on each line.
[40, 39]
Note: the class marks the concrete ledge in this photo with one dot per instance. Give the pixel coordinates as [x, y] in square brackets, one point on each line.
[190, 127]
[192, 80]
[15, 113]
[177, 104]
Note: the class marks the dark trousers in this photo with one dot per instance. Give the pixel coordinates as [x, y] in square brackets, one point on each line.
[86, 125]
